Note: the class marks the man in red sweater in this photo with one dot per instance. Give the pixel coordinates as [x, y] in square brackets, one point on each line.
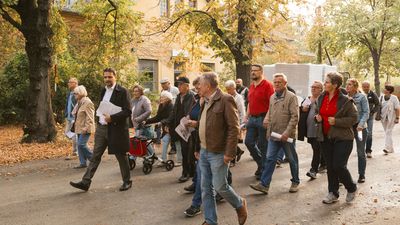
[259, 94]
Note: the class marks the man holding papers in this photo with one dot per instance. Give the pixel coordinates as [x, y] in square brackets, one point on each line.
[111, 132]
[281, 123]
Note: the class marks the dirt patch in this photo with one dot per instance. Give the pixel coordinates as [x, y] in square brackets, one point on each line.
[12, 151]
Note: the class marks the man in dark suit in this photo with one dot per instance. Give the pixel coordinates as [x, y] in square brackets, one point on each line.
[111, 132]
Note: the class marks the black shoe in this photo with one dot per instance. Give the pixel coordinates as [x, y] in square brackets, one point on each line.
[172, 152]
[191, 188]
[361, 179]
[80, 185]
[218, 198]
[239, 155]
[125, 186]
[183, 178]
[192, 211]
[312, 174]
[80, 167]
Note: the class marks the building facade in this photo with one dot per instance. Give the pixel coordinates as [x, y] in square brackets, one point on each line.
[159, 56]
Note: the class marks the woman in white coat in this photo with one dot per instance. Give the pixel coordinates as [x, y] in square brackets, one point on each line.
[390, 109]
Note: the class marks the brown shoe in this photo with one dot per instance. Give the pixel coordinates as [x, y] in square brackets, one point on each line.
[242, 212]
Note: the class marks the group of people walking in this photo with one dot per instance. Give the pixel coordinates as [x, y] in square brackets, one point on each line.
[331, 118]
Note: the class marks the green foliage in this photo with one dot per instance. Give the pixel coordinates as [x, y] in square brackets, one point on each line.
[234, 30]
[106, 37]
[359, 34]
[13, 89]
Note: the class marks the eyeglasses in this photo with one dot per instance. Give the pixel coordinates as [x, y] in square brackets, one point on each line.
[108, 77]
[76, 94]
[254, 70]
[315, 87]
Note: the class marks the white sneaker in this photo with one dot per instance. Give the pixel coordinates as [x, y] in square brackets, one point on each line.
[350, 196]
[330, 198]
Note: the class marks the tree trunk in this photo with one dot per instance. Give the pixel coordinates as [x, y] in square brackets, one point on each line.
[243, 71]
[375, 60]
[39, 121]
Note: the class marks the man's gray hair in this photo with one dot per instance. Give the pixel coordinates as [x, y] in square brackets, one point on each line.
[280, 75]
[319, 83]
[211, 78]
[366, 82]
[230, 84]
[80, 90]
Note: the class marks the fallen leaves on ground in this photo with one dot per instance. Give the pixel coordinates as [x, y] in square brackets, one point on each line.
[12, 151]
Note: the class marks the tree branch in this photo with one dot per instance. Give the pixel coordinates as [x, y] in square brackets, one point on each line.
[6, 16]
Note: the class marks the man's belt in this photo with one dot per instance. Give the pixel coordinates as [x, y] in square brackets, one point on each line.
[259, 115]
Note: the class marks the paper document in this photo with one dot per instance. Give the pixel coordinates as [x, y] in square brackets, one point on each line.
[306, 103]
[182, 130]
[279, 136]
[70, 134]
[360, 136]
[107, 108]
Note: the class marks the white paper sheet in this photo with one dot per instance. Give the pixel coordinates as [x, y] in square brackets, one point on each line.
[306, 103]
[279, 136]
[70, 134]
[107, 108]
[360, 136]
[182, 130]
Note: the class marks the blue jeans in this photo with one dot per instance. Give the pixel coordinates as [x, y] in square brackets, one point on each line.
[256, 141]
[165, 143]
[83, 150]
[274, 147]
[362, 159]
[370, 124]
[214, 174]
[196, 200]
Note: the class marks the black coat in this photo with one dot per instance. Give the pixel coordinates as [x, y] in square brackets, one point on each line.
[118, 129]
[180, 110]
[163, 113]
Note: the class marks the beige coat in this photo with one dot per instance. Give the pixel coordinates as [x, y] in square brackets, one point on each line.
[84, 116]
[283, 114]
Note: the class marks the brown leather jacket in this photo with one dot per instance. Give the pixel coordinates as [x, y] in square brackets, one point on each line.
[222, 124]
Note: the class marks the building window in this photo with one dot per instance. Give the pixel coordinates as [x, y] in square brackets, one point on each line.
[207, 67]
[164, 8]
[193, 4]
[148, 70]
[179, 69]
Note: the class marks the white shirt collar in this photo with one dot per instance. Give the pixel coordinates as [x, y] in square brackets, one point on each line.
[111, 88]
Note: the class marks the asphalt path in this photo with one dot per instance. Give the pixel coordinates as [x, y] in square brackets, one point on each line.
[38, 192]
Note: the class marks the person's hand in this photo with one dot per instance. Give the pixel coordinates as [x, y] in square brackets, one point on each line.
[228, 158]
[192, 123]
[107, 118]
[245, 120]
[284, 137]
[305, 108]
[197, 155]
[359, 128]
[265, 123]
[331, 121]
[318, 118]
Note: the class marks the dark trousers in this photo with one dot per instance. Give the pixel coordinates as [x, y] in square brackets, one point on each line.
[188, 166]
[100, 145]
[317, 158]
[337, 154]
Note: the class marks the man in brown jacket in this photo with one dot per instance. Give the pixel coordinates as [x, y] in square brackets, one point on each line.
[218, 131]
[281, 119]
